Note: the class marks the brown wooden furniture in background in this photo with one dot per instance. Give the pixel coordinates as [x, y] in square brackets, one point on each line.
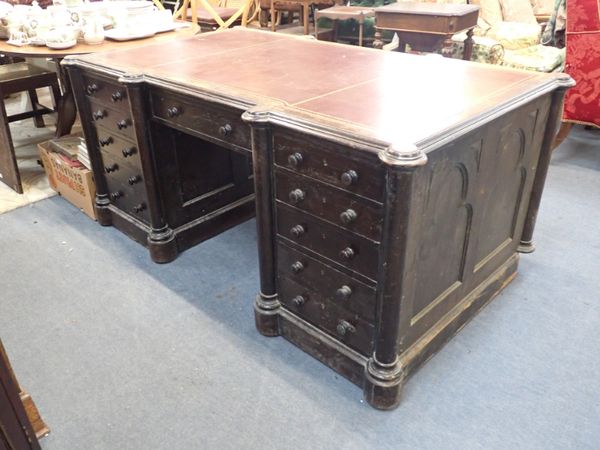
[20, 422]
[384, 222]
[426, 26]
[15, 78]
[336, 13]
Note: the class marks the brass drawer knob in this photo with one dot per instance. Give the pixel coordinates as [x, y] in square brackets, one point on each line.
[174, 111]
[116, 195]
[344, 328]
[112, 168]
[122, 124]
[100, 114]
[349, 178]
[348, 216]
[225, 130]
[134, 179]
[139, 208]
[347, 253]
[298, 300]
[295, 159]
[129, 151]
[343, 293]
[117, 96]
[91, 89]
[296, 196]
[105, 142]
[297, 231]
[297, 267]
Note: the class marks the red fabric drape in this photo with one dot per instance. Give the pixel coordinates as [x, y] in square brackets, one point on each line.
[582, 102]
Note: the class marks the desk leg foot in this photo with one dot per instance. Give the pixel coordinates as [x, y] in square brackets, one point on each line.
[266, 314]
[162, 245]
[383, 384]
[103, 214]
[447, 48]
[526, 247]
[378, 43]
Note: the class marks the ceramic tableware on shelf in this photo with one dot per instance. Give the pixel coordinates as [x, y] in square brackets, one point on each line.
[61, 38]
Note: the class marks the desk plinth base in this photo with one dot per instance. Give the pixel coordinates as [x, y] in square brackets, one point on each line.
[165, 245]
[358, 368]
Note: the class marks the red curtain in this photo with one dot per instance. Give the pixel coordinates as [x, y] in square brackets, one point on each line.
[582, 103]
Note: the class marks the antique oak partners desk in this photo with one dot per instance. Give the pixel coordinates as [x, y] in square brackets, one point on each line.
[391, 203]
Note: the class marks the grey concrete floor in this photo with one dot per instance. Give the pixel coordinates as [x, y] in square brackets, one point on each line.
[121, 353]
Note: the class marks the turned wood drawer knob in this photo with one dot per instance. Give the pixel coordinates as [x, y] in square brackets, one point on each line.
[349, 178]
[116, 96]
[297, 267]
[100, 114]
[122, 124]
[295, 159]
[225, 130]
[348, 216]
[105, 142]
[343, 293]
[139, 208]
[297, 195]
[297, 231]
[134, 179]
[115, 195]
[129, 151]
[174, 111]
[298, 300]
[112, 168]
[91, 89]
[348, 253]
[344, 328]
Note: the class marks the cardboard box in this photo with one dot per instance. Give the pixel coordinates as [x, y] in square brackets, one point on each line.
[73, 183]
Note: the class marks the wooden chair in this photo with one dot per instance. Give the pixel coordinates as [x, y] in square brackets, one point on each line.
[214, 15]
[21, 77]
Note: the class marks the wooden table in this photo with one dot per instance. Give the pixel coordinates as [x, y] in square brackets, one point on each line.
[426, 26]
[389, 208]
[335, 13]
[67, 111]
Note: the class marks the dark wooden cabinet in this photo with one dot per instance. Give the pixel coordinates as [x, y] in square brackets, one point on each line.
[391, 203]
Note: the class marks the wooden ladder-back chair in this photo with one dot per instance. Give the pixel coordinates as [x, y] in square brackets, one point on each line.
[219, 15]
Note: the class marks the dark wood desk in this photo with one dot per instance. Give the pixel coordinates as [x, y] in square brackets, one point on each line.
[426, 26]
[389, 208]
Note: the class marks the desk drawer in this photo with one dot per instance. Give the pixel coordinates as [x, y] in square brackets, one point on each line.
[118, 121]
[331, 163]
[336, 287]
[126, 188]
[340, 207]
[109, 93]
[346, 326]
[122, 150]
[209, 119]
[347, 249]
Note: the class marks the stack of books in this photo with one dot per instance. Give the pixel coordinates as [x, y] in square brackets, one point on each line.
[72, 150]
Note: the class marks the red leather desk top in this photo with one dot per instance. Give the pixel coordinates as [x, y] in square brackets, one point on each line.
[386, 96]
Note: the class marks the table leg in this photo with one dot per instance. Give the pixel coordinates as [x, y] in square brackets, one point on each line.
[67, 111]
[378, 43]
[360, 32]
[305, 8]
[447, 48]
[272, 15]
[468, 46]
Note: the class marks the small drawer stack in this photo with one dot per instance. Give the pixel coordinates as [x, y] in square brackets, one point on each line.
[329, 216]
[111, 117]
